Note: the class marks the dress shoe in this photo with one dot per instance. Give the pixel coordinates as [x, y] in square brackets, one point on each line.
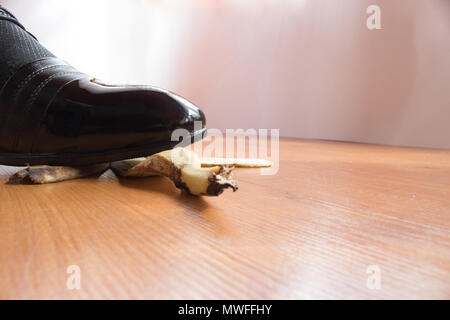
[52, 114]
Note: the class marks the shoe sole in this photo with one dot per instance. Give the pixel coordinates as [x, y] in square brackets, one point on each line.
[81, 159]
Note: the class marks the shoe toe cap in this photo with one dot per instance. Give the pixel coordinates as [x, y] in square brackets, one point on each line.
[192, 116]
[86, 116]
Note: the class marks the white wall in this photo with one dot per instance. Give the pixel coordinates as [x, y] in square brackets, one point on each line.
[308, 67]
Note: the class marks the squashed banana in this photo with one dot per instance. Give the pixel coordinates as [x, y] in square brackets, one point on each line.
[195, 175]
[184, 168]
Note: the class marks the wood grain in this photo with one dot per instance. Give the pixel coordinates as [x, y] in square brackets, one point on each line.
[311, 231]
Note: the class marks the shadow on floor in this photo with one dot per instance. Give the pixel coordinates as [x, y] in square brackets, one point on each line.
[166, 187]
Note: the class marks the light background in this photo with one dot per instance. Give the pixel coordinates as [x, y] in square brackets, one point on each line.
[308, 67]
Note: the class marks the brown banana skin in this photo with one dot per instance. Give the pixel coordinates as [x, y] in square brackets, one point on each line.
[52, 174]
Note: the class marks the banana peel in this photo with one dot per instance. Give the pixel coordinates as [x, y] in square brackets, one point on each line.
[184, 168]
[52, 174]
[188, 171]
[236, 162]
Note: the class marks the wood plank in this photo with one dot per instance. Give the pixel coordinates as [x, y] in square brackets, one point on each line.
[311, 231]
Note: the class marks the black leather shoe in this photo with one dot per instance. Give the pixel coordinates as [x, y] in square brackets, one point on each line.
[52, 114]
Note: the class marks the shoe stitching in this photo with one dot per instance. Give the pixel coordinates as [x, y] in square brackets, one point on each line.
[33, 97]
[24, 82]
[3, 88]
[45, 110]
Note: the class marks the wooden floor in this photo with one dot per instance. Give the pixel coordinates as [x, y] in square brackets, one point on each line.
[311, 231]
